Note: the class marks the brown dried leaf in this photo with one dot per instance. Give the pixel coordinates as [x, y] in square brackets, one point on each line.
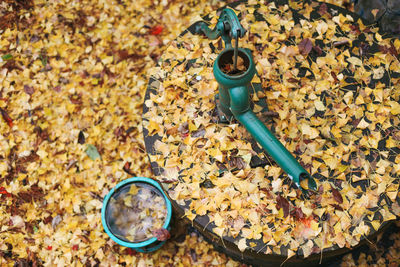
[81, 138]
[323, 9]
[29, 89]
[237, 162]
[297, 213]
[282, 202]
[337, 196]
[161, 234]
[305, 46]
[6, 117]
[317, 50]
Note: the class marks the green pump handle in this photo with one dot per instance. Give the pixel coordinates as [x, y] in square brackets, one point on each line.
[228, 27]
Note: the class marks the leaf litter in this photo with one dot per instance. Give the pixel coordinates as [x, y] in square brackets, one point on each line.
[40, 125]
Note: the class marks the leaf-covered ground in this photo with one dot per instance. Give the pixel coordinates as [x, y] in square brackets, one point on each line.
[72, 80]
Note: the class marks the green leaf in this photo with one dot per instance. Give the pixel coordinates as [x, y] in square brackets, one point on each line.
[92, 152]
[35, 229]
[43, 59]
[7, 57]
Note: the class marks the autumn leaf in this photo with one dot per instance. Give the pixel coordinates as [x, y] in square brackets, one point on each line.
[156, 30]
[4, 192]
[7, 57]
[161, 234]
[92, 152]
[319, 105]
[81, 138]
[6, 117]
[337, 196]
[395, 107]
[363, 124]
[56, 221]
[317, 50]
[323, 9]
[375, 12]
[237, 162]
[355, 61]
[29, 89]
[127, 168]
[305, 46]
[242, 244]
[130, 251]
[297, 213]
[339, 43]
[282, 202]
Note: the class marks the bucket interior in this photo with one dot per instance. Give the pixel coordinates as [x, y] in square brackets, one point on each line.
[134, 211]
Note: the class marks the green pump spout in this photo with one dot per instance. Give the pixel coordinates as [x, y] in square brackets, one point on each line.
[234, 102]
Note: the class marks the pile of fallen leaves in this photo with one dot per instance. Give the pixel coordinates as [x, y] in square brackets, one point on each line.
[72, 81]
[12, 13]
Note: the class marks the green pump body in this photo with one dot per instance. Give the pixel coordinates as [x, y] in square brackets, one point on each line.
[234, 96]
[235, 102]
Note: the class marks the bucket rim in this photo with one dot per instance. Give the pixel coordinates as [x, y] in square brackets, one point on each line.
[234, 77]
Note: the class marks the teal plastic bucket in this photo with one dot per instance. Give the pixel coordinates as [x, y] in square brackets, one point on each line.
[147, 245]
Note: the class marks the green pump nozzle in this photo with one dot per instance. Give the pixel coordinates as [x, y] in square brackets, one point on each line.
[234, 96]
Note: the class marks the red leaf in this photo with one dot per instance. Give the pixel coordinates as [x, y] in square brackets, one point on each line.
[75, 247]
[130, 252]
[306, 221]
[4, 192]
[49, 248]
[161, 234]
[355, 29]
[127, 168]
[6, 117]
[156, 30]
[48, 219]
[337, 196]
[305, 46]
[282, 202]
